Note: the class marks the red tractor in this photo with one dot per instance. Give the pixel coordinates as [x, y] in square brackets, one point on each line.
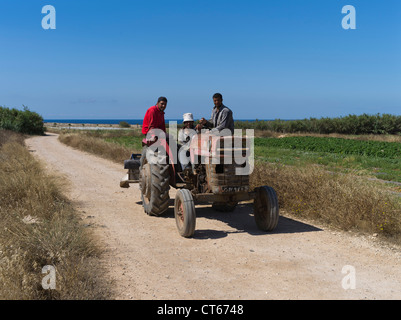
[213, 177]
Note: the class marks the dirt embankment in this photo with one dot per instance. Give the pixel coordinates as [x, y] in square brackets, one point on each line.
[228, 258]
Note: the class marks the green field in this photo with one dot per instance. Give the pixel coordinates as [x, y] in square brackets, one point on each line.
[375, 158]
[135, 143]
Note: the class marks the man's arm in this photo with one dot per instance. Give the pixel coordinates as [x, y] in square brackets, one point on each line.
[205, 123]
[146, 122]
[208, 124]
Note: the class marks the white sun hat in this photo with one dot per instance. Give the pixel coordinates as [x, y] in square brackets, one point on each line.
[188, 117]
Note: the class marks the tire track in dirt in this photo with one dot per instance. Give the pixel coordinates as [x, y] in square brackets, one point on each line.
[228, 258]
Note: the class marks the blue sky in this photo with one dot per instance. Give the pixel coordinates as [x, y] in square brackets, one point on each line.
[285, 59]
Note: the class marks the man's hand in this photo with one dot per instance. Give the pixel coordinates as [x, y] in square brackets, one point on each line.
[152, 139]
[202, 121]
[198, 127]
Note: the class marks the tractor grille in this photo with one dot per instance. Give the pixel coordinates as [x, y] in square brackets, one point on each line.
[222, 179]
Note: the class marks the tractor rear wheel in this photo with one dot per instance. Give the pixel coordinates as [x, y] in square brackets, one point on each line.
[184, 212]
[265, 208]
[154, 185]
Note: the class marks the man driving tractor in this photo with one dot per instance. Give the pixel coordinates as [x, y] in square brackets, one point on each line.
[222, 117]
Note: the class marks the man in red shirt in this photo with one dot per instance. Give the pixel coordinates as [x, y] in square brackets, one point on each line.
[154, 117]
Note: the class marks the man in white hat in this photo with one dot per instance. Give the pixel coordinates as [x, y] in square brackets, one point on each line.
[184, 134]
[184, 139]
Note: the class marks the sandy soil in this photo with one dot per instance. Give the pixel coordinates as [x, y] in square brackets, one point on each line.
[228, 258]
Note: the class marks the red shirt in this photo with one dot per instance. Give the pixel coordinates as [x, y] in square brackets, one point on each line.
[154, 119]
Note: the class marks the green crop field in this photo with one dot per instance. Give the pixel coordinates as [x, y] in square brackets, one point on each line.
[391, 150]
[134, 143]
[375, 158]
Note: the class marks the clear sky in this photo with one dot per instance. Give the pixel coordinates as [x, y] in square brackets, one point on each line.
[285, 59]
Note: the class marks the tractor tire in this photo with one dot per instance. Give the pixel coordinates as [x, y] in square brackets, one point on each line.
[224, 206]
[265, 208]
[154, 185]
[184, 212]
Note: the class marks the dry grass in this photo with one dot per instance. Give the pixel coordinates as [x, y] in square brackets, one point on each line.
[38, 227]
[341, 200]
[96, 146]
[10, 137]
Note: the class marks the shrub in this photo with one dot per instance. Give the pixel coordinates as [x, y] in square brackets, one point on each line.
[23, 121]
[124, 124]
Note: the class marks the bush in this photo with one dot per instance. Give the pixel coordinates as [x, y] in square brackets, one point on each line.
[23, 121]
[124, 124]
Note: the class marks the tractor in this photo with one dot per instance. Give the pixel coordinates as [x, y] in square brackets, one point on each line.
[212, 177]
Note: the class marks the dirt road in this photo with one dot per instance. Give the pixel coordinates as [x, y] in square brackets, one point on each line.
[228, 258]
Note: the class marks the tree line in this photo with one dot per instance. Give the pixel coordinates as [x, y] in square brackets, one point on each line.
[351, 124]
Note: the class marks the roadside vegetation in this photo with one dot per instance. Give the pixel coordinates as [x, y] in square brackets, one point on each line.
[23, 121]
[324, 178]
[344, 201]
[39, 227]
[110, 144]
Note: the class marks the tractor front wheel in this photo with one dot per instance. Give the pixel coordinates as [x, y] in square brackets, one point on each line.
[265, 208]
[184, 212]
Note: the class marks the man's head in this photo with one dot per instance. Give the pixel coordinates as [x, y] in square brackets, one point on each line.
[161, 103]
[217, 100]
[189, 124]
[188, 120]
